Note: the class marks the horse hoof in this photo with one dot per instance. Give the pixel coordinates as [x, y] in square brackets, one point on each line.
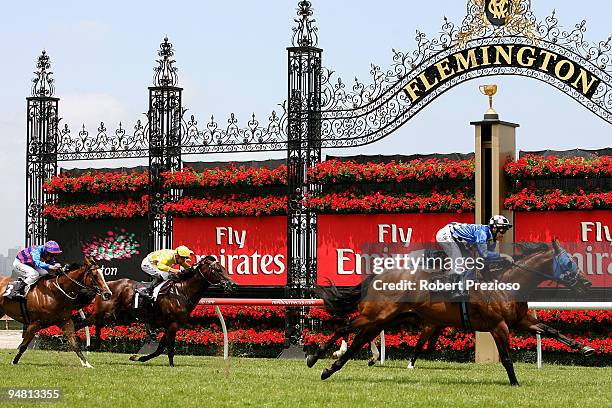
[87, 365]
[371, 363]
[326, 373]
[410, 366]
[134, 358]
[336, 355]
[311, 361]
[588, 351]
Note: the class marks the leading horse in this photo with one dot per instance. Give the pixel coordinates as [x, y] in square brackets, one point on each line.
[174, 304]
[51, 302]
[493, 311]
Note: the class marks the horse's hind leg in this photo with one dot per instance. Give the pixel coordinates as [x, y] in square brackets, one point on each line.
[375, 353]
[534, 326]
[501, 334]
[29, 334]
[429, 333]
[68, 329]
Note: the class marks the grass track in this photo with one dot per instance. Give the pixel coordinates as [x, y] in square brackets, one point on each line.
[211, 382]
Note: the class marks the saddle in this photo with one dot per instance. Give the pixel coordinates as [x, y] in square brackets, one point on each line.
[143, 292]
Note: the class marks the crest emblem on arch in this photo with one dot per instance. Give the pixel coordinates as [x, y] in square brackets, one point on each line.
[498, 12]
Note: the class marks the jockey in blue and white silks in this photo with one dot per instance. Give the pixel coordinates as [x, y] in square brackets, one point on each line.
[452, 237]
[32, 263]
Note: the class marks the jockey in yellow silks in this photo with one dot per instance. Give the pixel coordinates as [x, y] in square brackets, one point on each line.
[160, 264]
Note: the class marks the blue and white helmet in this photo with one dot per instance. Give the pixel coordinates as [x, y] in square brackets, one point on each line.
[500, 222]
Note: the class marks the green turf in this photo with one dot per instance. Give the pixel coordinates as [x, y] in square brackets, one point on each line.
[211, 382]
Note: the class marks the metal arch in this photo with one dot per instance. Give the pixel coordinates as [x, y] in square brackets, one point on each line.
[371, 112]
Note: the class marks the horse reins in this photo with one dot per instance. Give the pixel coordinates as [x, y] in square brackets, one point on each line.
[82, 286]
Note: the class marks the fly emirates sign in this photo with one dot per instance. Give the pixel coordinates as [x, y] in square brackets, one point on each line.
[348, 244]
[252, 249]
[586, 235]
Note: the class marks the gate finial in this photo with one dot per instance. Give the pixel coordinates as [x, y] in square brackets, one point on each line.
[165, 72]
[42, 83]
[305, 34]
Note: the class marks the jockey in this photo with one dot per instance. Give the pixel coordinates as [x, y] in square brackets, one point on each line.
[455, 236]
[31, 264]
[160, 264]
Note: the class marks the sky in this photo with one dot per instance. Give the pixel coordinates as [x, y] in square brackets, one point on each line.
[231, 56]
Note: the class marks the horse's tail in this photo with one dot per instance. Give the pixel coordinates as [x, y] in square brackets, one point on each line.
[343, 301]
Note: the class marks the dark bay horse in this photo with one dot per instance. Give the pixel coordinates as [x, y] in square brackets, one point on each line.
[170, 312]
[51, 302]
[493, 311]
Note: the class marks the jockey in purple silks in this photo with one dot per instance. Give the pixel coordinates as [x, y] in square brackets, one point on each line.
[31, 264]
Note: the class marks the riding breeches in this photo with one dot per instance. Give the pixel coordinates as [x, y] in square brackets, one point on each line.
[452, 249]
[27, 273]
[150, 269]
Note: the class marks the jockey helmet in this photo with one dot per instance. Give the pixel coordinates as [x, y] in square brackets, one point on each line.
[183, 251]
[52, 247]
[500, 222]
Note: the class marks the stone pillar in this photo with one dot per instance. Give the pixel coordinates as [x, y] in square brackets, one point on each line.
[495, 145]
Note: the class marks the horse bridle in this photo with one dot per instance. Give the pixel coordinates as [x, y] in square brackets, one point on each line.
[81, 285]
[552, 277]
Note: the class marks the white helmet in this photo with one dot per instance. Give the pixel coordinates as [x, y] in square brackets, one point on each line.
[500, 222]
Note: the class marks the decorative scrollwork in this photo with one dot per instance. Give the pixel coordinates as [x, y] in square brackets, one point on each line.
[215, 138]
[103, 145]
[519, 21]
[305, 33]
[165, 72]
[360, 113]
[42, 84]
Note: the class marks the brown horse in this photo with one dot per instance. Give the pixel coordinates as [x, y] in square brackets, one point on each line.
[51, 302]
[172, 309]
[493, 311]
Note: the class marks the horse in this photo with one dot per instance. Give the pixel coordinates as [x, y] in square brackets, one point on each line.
[174, 304]
[494, 311]
[51, 302]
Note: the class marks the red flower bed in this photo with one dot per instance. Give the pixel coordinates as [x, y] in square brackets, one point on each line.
[530, 167]
[392, 203]
[536, 200]
[332, 171]
[232, 176]
[233, 205]
[235, 312]
[98, 183]
[112, 209]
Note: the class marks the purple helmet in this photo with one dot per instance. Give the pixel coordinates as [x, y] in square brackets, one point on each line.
[52, 247]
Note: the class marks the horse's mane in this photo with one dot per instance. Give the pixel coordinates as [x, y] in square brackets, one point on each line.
[526, 249]
[73, 266]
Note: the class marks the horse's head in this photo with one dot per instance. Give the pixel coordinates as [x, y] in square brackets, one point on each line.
[210, 269]
[94, 279]
[545, 259]
[566, 270]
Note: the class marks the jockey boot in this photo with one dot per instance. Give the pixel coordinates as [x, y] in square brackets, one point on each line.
[17, 290]
[460, 293]
[153, 284]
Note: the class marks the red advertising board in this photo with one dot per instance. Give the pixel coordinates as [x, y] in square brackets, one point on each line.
[253, 249]
[586, 235]
[344, 240]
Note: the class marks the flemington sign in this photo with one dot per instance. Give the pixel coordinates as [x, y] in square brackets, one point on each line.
[504, 55]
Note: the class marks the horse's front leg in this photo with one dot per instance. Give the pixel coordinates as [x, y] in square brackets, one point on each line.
[314, 357]
[364, 336]
[160, 349]
[170, 341]
[501, 335]
[68, 328]
[27, 338]
[536, 327]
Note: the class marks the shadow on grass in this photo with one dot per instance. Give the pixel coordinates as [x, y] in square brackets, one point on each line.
[409, 380]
